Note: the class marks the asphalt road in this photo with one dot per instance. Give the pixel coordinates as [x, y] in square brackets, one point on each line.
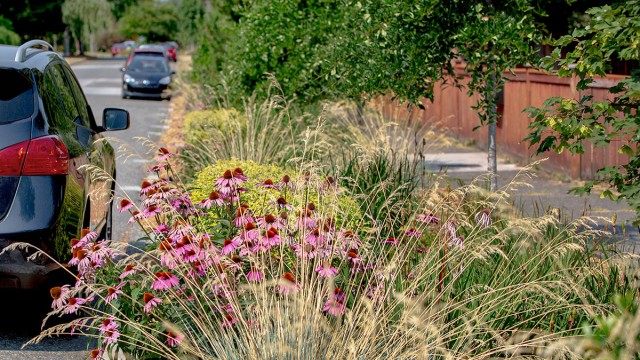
[101, 81]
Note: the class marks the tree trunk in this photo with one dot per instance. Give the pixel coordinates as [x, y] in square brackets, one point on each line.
[492, 114]
[92, 42]
[66, 52]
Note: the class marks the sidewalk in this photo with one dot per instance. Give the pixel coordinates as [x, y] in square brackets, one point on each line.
[548, 190]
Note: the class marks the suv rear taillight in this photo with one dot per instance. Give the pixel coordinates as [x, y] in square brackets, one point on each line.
[41, 156]
[12, 158]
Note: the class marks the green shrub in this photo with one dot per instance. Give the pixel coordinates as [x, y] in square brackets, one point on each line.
[338, 204]
[212, 125]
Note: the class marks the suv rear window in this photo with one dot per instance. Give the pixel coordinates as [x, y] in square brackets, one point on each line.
[16, 100]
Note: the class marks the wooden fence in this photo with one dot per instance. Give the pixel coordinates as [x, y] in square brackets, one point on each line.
[452, 107]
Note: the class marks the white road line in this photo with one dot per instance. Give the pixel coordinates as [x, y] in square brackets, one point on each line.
[102, 90]
[131, 188]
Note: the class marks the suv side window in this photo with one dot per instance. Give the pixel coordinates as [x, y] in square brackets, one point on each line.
[81, 102]
[71, 108]
[52, 102]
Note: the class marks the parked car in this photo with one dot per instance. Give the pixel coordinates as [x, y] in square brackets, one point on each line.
[147, 75]
[172, 50]
[48, 141]
[118, 48]
[146, 50]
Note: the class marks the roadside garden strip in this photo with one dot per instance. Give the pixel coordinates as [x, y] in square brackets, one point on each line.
[279, 245]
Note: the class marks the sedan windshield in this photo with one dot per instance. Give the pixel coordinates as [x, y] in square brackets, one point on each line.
[148, 64]
[16, 100]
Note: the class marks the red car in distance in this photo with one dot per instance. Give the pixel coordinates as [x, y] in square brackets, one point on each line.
[171, 48]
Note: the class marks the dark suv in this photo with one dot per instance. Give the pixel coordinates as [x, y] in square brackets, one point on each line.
[50, 150]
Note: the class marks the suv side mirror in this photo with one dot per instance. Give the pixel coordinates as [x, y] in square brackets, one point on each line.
[115, 119]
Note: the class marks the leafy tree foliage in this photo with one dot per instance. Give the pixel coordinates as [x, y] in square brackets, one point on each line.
[7, 35]
[190, 14]
[86, 18]
[118, 7]
[566, 124]
[156, 21]
[34, 18]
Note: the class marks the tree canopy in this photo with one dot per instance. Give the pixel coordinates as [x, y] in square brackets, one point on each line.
[155, 21]
[567, 124]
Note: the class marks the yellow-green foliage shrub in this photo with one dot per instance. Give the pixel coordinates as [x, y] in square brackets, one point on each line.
[335, 204]
[212, 125]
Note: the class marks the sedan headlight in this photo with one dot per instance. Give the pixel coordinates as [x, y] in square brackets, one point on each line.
[165, 80]
[128, 78]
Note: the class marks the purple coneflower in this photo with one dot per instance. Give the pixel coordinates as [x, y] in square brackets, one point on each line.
[329, 184]
[74, 304]
[173, 339]
[230, 245]
[164, 280]
[135, 216]
[281, 204]
[230, 181]
[213, 199]
[483, 219]
[348, 239]
[145, 187]
[391, 241]
[114, 292]
[271, 238]
[60, 295]
[255, 275]
[305, 221]
[428, 219]
[125, 205]
[163, 154]
[229, 320]
[267, 221]
[326, 270]
[111, 336]
[128, 270]
[243, 216]
[450, 229]
[108, 324]
[287, 284]
[151, 210]
[335, 306]
[286, 182]
[268, 184]
[96, 354]
[457, 242]
[150, 302]
[413, 233]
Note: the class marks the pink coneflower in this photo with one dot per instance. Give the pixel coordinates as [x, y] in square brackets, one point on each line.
[243, 216]
[255, 275]
[229, 245]
[129, 270]
[267, 221]
[271, 238]
[313, 236]
[191, 255]
[352, 257]
[335, 306]
[151, 210]
[161, 229]
[229, 320]
[268, 184]
[450, 229]
[283, 220]
[150, 302]
[229, 181]
[286, 182]
[422, 250]
[213, 199]
[60, 295]
[114, 292]
[281, 204]
[145, 187]
[111, 336]
[326, 270]
[348, 239]
[135, 216]
[413, 233]
[329, 184]
[163, 154]
[250, 233]
[184, 245]
[180, 228]
[457, 242]
[428, 219]
[483, 219]
[164, 280]
[287, 284]
[74, 304]
[125, 205]
[96, 354]
[173, 339]
[391, 241]
[307, 251]
[305, 221]
[108, 324]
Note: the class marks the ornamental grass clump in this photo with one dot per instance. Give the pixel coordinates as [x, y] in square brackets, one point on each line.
[291, 281]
